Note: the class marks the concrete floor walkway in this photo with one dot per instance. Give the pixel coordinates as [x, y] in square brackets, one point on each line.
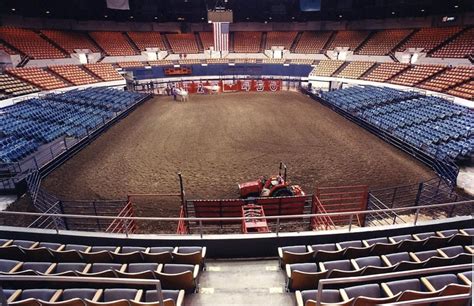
[257, 282]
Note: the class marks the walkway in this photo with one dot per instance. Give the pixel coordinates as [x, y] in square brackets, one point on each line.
[257, 282]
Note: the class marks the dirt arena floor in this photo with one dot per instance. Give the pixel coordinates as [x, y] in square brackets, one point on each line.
[218, 141]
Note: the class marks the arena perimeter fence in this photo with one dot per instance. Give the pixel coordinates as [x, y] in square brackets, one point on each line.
[446, 168]
[416, 211]
[49, 156]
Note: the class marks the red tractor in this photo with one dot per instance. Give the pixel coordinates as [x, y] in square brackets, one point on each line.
[275, 186]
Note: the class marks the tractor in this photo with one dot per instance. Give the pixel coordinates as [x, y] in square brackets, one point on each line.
[274, 186]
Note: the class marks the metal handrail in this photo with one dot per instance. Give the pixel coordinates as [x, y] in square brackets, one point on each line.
[75, 279]
[347, 213]
[375, 277]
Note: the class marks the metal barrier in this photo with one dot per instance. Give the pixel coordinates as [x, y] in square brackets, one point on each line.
[391, 275]
[89, 280]
[123, 226]
[278, 219]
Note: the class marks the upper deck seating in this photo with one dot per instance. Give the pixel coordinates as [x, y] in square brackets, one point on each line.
[71, 40]
[350, 39]
[183, 43]
[145, 40]
[247, 42]
[382, 42]
[207, 39]
[283, 39]
[30, 43]
[461, 46]
[312, 42]
[429, 38]
[113, 43]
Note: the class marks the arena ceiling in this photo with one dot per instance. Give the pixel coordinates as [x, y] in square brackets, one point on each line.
[244, 10]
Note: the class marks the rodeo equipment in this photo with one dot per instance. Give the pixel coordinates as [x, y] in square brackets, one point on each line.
[275, 186]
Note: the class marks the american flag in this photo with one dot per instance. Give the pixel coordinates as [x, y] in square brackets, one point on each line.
[221, 36]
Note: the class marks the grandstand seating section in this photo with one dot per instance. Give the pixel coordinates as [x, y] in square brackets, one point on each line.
[302, 61]
[12, 87]
[70, 40]
[382, 42]
[7, 49]
[284, 39]
[449, 78]
[217, 61]
[30, 43]
[247, 42]
[130, 64]
[461, 46]
[385, 71]
[350, 39]
[190, 61]
[464, 90]
[312, 42]
[326, 68]
[207, 39]
[306, 265]
[355, 69]
[113, 43]
[183, 43]
[416, 74]
[104, 71]
[160, 63]
[429, 38]
[177, 268]
[25, 126]
[145, 40]
[38, 77]
[74, 74]
[433, 125]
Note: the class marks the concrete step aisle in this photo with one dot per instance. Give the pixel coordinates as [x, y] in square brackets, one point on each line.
[241, 282]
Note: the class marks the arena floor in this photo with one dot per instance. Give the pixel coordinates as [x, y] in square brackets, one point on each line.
[217, 141]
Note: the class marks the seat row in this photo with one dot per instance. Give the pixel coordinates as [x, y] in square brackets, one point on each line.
[393, 291]
[307, 275]
[172, 276]
[47, 251]
[374, 246]
[92, 297]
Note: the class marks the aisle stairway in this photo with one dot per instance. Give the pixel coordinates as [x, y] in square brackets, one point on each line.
[233, 282]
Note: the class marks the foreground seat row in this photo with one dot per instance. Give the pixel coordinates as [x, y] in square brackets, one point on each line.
[374, 246]
[26, 250]
[92, 297]
[172, 276]
[393, 291]
[302, 276]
